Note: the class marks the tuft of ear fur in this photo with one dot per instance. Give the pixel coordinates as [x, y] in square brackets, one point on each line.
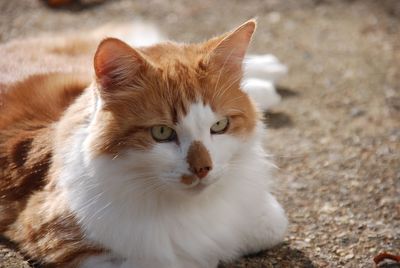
[116, 64]
[230, 49]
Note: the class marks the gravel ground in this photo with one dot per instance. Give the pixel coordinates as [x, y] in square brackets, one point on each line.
[336, 135]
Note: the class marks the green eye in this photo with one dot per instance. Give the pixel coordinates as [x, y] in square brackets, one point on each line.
[163, 133]
[220, 127]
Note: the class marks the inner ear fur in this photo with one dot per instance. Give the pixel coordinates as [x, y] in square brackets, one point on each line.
[117, 64]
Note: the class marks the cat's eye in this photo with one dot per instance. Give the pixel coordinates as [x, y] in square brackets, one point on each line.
[163, 133]
[220, 127]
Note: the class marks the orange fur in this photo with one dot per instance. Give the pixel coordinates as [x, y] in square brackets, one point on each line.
[28, 112]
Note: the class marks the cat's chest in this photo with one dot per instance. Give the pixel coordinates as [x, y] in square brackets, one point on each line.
[140, 231]
[113, 212]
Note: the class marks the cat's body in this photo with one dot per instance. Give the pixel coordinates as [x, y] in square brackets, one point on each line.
[89, 179]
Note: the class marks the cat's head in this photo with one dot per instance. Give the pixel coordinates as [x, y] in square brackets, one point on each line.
[173, 116]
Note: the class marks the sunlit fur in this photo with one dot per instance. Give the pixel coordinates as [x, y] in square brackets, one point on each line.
[124, 190]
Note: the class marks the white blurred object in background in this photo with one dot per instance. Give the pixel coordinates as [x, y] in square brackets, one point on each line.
[261, 72]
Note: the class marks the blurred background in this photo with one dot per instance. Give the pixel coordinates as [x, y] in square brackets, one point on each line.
[336, 134]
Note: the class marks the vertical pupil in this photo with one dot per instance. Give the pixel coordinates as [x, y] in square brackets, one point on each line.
[162, 130]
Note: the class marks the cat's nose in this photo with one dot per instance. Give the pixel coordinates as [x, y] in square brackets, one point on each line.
[202, 172]
[199, 159]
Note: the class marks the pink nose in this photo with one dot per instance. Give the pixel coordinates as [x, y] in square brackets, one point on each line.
[202, 172]
[199, 159]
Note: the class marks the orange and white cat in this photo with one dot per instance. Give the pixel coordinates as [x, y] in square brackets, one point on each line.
[159, 162]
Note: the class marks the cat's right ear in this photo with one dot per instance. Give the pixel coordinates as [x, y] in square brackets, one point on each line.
[227, 52]
[116, 65]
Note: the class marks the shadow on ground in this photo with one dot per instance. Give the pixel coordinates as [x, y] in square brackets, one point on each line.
[277, 119]
[279, 256]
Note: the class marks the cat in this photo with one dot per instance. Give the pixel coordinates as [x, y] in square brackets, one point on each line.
[157, 161]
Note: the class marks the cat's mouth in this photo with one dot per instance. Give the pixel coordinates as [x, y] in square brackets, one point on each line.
[197, 188]
[189, 180]
[194, 184]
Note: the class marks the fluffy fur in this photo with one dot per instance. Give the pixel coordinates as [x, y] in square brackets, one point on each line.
[84, 184]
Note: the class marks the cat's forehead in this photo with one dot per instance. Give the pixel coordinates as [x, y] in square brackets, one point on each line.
[170, 56]
[178, 79]
[181, 81]
[182, 75]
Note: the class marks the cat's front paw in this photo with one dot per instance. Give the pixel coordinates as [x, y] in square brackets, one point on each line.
[269, 228]
[274, 222]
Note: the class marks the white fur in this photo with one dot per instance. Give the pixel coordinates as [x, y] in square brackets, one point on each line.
[135, 205]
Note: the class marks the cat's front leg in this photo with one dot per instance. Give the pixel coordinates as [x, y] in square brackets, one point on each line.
[269, 227]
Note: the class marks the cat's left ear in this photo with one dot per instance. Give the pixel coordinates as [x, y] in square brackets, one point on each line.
[228, 51]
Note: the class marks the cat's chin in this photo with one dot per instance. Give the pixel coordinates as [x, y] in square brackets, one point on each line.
[197, 189]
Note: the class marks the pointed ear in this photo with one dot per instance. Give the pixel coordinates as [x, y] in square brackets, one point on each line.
[229, 50]
[116, 64]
